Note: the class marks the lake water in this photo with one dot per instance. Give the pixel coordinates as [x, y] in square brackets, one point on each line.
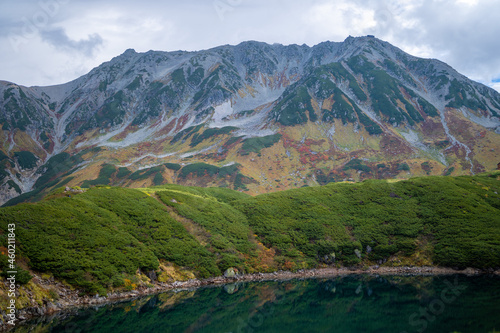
[453, 303]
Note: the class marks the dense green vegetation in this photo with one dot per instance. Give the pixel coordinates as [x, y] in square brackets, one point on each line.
[57, 164]
[210, 133]
[385, 91]
[185, 133]
[135, 84]
[457, 217]
[356, 164]
[227, 174]
[203, 169]
[173, 166]
[254, 145]
[226, 229]
[156, 95]
[449, 171]
[21, 110]
[95, 239]
[122, 172]
[404, 167]
[98, 238]
[341, 73]
[340, 109]
[196, 76]
[56, 168]
[220, 82]
[3, 156]
[26, 159]
[178, 76]
[294, 106]
[12, 184]
[461, 94]
[111, 113]
[145, 173]
[22, 276]
[158, 179]
[107, 170]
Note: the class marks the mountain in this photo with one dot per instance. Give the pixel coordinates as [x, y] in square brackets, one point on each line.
[253, 117]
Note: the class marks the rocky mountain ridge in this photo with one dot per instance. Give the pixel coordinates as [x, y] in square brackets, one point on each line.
[254, 117]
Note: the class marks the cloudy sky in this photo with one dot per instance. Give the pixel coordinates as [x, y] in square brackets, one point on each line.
[45, 42]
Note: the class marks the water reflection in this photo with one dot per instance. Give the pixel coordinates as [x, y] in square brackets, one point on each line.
[344, 304]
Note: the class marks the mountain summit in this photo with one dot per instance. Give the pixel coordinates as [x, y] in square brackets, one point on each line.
[254, 117]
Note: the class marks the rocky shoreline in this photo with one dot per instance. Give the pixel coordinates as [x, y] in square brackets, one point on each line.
[70, 299]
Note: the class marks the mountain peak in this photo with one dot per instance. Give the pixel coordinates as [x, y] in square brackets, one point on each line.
[129, 52]
[356, 109]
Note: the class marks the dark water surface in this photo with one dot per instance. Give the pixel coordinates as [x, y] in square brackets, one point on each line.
[453, 303]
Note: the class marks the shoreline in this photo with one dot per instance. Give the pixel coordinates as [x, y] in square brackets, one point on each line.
[71, 301]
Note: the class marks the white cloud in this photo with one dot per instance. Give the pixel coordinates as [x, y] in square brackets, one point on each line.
[462, 33]
[495, 85]
[338, 20]
[467, 2]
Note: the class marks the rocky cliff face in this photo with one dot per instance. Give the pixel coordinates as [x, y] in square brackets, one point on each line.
[254, 117]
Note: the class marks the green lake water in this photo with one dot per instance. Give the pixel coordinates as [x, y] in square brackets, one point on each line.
[454, 303]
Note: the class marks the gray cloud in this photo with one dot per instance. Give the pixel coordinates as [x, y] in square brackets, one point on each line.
[59, 39]
[464, 36]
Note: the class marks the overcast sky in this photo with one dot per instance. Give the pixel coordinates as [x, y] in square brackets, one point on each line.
[45, 42]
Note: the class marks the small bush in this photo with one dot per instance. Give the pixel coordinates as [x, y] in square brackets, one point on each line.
[254, 145]
[26, 159]
[403, 167]
[173, 166]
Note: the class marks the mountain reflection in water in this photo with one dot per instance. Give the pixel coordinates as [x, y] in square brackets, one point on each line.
[453, 303]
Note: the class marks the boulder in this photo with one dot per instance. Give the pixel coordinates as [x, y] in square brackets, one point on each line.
[230, 272]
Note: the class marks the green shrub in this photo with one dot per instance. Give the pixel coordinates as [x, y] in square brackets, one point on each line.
[135, 84]
[294, 105]
[107, 170]
[90, 238]
[173, 166]
[403, 167]
[122, 172]
[22, 276]
[449, 171]
[209, 133]
[12, 184]
[158, 179]
[388, 217]
[145, 173]
[185, 133]
[227, 227]
[26, 159]
[97, 238]
[356, 164]
[199, 169]
[254, 145]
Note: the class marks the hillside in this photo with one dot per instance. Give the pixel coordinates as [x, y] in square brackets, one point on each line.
[253, 117]
[109, 238]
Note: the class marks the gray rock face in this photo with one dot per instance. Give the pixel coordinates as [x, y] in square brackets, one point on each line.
[363, 81]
